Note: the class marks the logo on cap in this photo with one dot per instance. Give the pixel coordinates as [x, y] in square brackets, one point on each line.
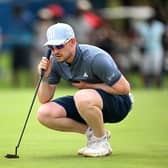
[58, 33]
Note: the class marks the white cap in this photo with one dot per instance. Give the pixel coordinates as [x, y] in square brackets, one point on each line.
[58, 33]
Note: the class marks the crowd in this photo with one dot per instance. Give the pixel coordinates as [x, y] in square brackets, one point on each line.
[142, 45]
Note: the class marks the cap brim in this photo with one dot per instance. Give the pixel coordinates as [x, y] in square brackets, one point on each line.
[54, 42]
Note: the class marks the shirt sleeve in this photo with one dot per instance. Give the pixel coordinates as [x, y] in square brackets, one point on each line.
[54, 76]
[104, 67]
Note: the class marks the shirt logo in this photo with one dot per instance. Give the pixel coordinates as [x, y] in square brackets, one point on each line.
[85, 75]
[111, 76]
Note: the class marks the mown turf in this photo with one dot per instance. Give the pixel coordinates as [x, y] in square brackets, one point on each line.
[140, 141]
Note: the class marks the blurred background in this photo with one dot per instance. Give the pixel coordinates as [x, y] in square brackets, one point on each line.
[134, 32]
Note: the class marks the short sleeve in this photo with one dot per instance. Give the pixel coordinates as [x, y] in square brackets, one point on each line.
[104, 67]
[54, 77]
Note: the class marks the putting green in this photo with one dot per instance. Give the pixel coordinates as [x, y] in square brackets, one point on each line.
[140, 141]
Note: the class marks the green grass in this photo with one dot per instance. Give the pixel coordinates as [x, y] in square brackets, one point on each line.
[140, 141]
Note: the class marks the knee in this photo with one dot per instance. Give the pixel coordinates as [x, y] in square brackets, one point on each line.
[87, 99]
[81, 100]
[43, 113]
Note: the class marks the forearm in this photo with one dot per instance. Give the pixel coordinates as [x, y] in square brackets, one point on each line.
[110, 89]
[45, 92]
[104, 87]
[120, 87]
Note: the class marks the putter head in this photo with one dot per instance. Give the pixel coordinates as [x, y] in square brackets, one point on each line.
[11, 156]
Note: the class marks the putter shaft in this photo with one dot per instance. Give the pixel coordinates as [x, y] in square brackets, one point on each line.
[30, 109]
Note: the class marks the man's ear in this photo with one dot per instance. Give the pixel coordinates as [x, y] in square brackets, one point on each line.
[73, 41]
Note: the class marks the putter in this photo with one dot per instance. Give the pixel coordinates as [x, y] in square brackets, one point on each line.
[15, 155]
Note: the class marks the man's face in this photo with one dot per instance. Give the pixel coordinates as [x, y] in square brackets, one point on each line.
[64, 52]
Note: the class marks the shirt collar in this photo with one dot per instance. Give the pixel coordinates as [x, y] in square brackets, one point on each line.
[77, 55]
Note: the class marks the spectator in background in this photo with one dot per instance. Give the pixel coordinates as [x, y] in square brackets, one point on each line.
[110, 40]
[21, 39]
[102, 36]
[151, 32]
[44, 19]
[46, 16]
[105, 37]
[84, 20]
[165, 44]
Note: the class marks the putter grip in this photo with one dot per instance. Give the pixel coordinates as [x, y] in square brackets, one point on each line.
[47, 56]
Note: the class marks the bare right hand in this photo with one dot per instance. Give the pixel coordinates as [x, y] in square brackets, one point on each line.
[46, 65]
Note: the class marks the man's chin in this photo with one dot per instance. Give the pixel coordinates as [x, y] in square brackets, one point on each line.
[60, 60]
